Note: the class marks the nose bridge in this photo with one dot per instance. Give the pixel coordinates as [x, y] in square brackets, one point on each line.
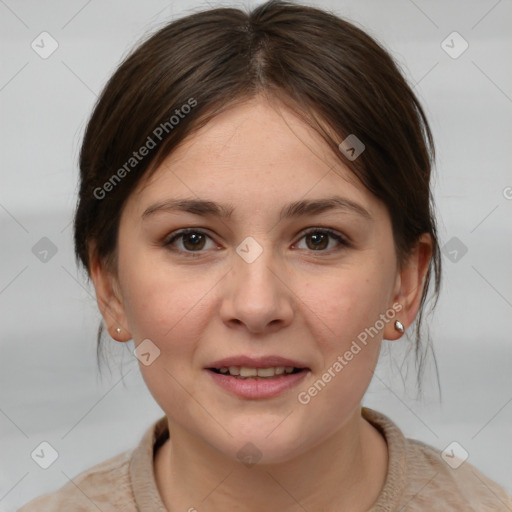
[256, 261]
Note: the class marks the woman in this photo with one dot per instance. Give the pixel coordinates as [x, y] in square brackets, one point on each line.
[255, 213]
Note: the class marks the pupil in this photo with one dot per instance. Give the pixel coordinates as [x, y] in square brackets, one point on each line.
[314, 236]
[196, 237]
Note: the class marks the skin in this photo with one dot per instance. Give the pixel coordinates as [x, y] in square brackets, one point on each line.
[293, 301]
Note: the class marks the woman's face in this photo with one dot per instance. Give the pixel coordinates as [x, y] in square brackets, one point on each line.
[255, 284]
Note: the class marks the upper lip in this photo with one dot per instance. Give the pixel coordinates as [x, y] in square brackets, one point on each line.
[256, 362]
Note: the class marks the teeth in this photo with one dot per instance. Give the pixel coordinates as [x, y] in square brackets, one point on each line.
[266, 372]
[245, 372]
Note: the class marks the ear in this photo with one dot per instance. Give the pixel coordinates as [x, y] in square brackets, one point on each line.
[109, 298]
[409, 286]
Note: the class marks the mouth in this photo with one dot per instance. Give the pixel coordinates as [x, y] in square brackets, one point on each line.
[252, 373]
[252, 378]
[257, 378]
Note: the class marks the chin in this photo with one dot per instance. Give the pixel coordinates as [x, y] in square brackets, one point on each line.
[262, 444]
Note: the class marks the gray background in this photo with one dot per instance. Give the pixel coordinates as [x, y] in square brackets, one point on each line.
[50, 389]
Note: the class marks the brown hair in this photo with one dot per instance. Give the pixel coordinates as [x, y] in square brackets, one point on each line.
[335, 76]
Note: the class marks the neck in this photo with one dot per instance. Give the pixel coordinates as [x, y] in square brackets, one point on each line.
[351, 466]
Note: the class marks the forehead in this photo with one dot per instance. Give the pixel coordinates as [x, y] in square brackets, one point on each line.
[254, 132]
[255, 154]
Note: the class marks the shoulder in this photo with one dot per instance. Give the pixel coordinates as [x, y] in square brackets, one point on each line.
[105, 486]
[436, 477]
[421, 477]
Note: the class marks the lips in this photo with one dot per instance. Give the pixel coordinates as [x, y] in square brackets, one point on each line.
[256, 362]
[257, 388]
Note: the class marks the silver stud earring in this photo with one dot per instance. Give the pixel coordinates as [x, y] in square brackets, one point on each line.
[399, 326]
[118, 330]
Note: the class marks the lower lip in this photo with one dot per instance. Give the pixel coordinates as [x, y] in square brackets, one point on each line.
[262, 388]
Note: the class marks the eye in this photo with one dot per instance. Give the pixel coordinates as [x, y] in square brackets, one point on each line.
[192, 240]
[320, 239]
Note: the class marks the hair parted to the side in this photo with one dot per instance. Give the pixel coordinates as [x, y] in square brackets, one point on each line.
[328, 71]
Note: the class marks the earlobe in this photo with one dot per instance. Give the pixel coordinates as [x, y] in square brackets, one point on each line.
[409, 287]
[109, 299]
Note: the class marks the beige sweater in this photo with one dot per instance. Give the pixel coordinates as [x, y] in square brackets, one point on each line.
[418, 479]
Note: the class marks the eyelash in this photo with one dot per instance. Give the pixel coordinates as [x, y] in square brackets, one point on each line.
[343, 242]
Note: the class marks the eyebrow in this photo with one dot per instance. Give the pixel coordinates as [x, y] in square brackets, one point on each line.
[300, 208]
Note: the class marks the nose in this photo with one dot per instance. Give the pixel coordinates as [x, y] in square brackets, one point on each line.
[257, 293]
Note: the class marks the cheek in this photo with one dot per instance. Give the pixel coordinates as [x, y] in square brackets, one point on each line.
[166, 307]
[348, 302]
[160, 302]
[344, 314]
